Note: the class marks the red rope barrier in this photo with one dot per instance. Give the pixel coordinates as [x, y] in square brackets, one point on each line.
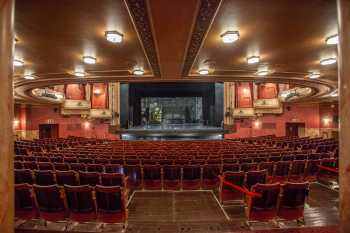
[241, 189]
[330, 169]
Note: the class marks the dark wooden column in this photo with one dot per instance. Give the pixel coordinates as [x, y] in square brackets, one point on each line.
[6, 118]
[344, 109]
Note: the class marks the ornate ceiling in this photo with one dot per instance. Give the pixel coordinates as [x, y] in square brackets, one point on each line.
[172, 40]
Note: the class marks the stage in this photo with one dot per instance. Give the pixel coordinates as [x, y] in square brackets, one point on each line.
[171, 131]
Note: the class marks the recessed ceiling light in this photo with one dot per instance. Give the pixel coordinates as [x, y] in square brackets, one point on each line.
[114, 36]
[332, 40]
[314, 75]
[203, 71]
[79, 73]
[328, 61]
[89, 60]
[262, 73]
[29, 77]
[230, 36]
[18, 63]
[253, 59]
[138, 72]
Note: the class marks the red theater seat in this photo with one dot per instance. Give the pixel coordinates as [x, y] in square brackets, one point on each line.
[66, 178]
[281, 171]
[293, 200]
[50, 201]
[89, 178]
[111, 204]
[23, 176]
[61, 166]
[171, 177]
[263, 208]
[191, 177]
[227, 193]
[80, 202]
[210, 179]
[255, 177]
[297, 171]
[152, 177]
[44, 177]
[134, 174]
[25, 202]
[113, 179]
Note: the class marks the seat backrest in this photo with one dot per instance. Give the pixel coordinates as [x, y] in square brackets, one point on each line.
[80, 198]
[230, 167]
[236, 178]
[248, 166]
[94, 167]
[255, 177]
[282, 168]
[268, 166]
[152, 172]
[298, 167]
[269, 196]
[294, 194]
[24, 197]
[89, 178]
[211, 171]
[109, 199]
[49, 198]
[66, 177]
[171, 172]
[191, 172]
[112, 179]
[44, 177]
[23, 176]
[61, 166]
[78, 167]
[114, 168]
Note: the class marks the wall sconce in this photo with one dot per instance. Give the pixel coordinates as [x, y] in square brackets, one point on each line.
[327, 121]
[15, 123]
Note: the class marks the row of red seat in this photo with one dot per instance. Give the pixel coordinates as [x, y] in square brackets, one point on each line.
[72, 203]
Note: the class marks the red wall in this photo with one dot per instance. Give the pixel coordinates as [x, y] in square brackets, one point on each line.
[329, 115]
[267, 91]
[244, 95]
[75, 91]
[99, 96]
[308, 114]
[68, 126]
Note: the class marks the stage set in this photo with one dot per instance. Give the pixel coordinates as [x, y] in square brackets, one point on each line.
[171, 111]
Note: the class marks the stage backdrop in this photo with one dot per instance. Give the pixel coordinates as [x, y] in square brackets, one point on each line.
[171, 103]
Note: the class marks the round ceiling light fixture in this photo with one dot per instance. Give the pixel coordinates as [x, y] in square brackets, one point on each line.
[314, 75]
[79, 73]
[18, 63]
[114, 36]
[89, 60]
[203, 71]
[253, 59]
[138, 72]
[262, 73]
[332, 40]
[230, 37]
[328, 61]
[29, 77]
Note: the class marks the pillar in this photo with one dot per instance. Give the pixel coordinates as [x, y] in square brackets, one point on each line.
[6, 117]
[344, 110]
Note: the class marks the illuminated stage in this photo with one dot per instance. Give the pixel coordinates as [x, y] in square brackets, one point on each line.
[171, 131]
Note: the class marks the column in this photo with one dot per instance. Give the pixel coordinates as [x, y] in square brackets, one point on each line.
[6, 118]
[344, 110]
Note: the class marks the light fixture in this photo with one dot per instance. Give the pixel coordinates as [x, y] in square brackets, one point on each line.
[253, 59]
[18, 63]
[256, 123]
[328, 61]
[314, 75]
[138, 72]
[326, 121]
[97, 91]
[230, 36]
[262, 73]
[15, 123]
[203, 71]
[79, 73]
[87, 125]
[89, 60]
[332, 40]
[29, 77]
[114, 36]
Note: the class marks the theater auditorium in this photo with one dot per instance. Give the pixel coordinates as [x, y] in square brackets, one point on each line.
[186, 116]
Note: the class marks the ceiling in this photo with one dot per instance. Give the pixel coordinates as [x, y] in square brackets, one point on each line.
[172, 40]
